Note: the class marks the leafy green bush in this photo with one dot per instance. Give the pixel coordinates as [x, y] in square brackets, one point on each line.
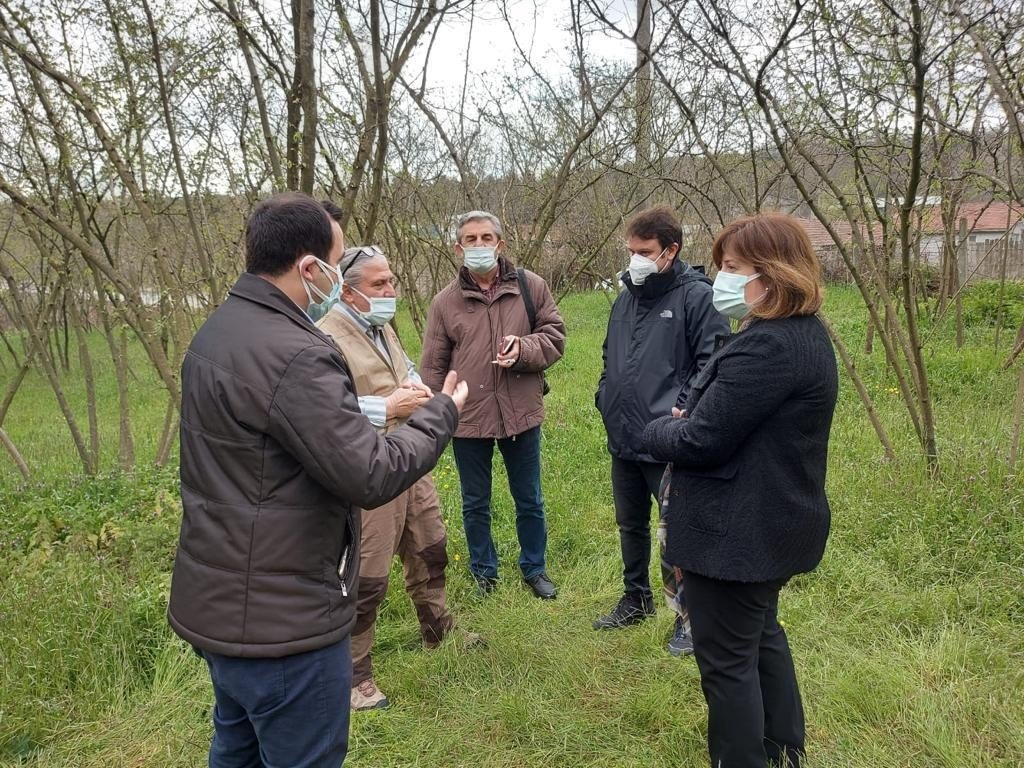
[982, 303]
[82, 599]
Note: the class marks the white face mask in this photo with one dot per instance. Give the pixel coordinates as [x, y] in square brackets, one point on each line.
[480, 259]
[640, 267]
[729, 294]
[382, 308]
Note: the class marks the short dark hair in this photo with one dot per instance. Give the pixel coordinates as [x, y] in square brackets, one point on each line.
[283, 228]
[333, 210]
[658, 222]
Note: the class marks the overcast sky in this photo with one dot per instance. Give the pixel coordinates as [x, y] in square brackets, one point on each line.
[543, 29]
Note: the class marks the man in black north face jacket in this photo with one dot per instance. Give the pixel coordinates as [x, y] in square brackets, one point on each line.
[661, 332]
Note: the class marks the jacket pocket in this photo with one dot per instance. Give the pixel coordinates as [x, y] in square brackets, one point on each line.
[345, 577]
[705, 498]
[701, 383]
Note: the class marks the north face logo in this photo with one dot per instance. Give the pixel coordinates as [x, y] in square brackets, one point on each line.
[666, 313]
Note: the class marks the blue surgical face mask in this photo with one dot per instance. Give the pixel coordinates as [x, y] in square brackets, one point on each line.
[729, 294]
[480, 259]
[320, 306]
[382, 308]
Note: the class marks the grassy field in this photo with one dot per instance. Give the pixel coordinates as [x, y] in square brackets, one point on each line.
[909, 638]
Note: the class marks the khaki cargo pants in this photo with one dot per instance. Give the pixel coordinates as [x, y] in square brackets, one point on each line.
[411, 527]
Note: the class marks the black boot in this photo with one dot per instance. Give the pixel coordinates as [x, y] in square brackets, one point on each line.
[631, 609]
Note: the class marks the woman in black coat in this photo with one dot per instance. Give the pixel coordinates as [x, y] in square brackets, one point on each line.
[747, 507]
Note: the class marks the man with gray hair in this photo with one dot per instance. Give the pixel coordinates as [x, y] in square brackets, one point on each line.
[410, 525]
[500, 328]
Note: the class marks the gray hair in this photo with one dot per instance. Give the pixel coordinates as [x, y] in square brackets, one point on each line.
[487, 216]
[354, 264]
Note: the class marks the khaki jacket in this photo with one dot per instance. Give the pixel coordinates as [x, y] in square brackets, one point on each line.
[464, 333]
[371, 372]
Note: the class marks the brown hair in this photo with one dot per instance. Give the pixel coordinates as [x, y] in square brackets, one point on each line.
[658, 222]
[778, 248]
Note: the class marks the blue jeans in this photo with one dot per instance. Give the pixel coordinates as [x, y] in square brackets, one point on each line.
[522, 464]
[272, 713]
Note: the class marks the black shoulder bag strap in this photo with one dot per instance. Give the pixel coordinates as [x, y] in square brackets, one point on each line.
[531, 315]
[524, 290]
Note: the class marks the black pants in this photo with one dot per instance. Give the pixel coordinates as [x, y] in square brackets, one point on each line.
[746, 670]
[634, 485]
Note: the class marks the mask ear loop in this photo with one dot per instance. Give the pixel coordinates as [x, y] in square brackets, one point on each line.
[310, 286]
[763, 294]
[328, 272]
[305, 283]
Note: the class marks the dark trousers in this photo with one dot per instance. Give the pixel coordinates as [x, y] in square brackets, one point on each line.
[746, 670]
[522, 465]
[634, 485]
[290, 712]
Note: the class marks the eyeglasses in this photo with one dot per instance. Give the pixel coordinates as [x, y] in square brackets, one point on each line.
[370, 251]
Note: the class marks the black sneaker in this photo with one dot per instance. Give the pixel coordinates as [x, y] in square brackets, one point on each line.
[542, 587]
[630, 610]
[681, 643]
[485, 585]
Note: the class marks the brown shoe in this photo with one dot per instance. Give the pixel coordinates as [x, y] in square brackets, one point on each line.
[367, 695]
[440, 629]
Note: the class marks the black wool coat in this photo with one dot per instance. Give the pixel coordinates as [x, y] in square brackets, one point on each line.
[747, 501]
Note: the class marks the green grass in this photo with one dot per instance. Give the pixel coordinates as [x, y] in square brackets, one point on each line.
[907, 639]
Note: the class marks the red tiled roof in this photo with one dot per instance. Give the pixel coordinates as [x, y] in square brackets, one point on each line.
[981, 217]
[820, 238]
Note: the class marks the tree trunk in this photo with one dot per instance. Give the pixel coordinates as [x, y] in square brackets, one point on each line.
[269, 140]
[959, 262]
[85, 360]
[916, 358]
[307, 94]
[644, 35]
[858, 383]
[12, 450]
[1018, 422]
[167, 435]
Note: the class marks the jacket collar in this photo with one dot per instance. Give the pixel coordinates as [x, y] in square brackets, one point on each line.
[348, 313]
[254, 288]
[658, 284]
[506, 274]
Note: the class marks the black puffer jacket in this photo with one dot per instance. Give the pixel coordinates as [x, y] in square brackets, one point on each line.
[276, 458]
[660, 334]
[748, 482]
